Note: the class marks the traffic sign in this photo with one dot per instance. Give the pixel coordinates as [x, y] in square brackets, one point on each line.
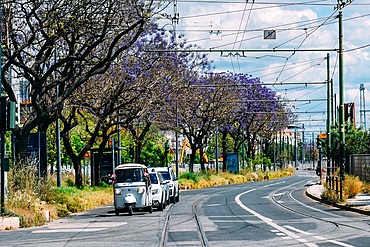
[322, 136]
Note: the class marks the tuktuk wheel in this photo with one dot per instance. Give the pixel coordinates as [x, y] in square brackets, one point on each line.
[130, 209]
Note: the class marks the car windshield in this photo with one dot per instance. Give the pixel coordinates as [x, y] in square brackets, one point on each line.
[129, 175]
[166, 175]
[153, 178]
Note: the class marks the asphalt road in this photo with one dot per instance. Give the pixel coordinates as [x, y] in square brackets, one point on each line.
[269, 213]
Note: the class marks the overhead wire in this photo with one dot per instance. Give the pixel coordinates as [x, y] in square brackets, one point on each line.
[237, 35]
[258, 8]
[308, 32]
[245, 28]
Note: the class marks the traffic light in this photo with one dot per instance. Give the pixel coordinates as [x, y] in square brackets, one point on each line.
[11, 115]
[131, 152]
[7, 115]
[3, 115]
[318, 142]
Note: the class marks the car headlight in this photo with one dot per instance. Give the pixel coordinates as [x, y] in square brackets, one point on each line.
[140, 190]
[117, 191]
[155, 191]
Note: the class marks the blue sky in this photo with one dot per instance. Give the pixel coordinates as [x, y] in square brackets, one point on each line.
[299, 24]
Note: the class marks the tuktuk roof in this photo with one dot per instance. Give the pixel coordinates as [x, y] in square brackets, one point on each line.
[130, 165]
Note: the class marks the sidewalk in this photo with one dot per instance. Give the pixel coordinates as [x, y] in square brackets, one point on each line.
[359, 204]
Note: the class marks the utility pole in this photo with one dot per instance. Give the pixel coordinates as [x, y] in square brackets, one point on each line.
[2, 135]
[342, 156]
[362, 106]
[175, 20]
[328, 120]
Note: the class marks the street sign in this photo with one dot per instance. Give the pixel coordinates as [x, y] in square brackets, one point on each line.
[322, 136]
[269, 34]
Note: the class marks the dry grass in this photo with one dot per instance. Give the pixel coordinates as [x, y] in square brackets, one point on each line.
[209, 179]
[36, 200]
[352, 186]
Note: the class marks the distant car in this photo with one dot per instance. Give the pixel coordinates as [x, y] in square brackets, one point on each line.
[165, 187]
[159, 193]
[170, 176]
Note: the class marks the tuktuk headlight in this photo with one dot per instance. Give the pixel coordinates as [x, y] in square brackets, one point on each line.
[118, 191]
[140, 190]
[170, 185]
[155, 191]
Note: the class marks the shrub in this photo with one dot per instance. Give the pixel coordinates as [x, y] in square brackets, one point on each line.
[330, 195]
[352, 186]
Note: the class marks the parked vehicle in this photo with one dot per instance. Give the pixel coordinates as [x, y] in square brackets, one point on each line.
[160, 190]
[173, 183]
[132, 189]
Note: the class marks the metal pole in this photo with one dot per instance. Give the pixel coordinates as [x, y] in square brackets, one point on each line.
[39, 149]
[341, 107]
[177, 138]
[328, 120]
[119, 144]
[57, 138]
[295, 147]
[59, 163]
[217, 151]
[113, 163]
[2, 143]
[313, 150]
[303, 146]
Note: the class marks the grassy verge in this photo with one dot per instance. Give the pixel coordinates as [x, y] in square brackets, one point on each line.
[208, 179]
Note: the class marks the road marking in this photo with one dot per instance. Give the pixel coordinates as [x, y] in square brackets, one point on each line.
[269, 221]
[318, 237]
[80, 227]
[279, 194]
[284, 230]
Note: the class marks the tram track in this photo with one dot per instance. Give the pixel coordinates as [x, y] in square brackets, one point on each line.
[195, 216]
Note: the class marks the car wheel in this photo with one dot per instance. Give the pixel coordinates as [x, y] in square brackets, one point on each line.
[116, 212]
[161, 206]
[150, 209]
[164, 201]
[177, 198]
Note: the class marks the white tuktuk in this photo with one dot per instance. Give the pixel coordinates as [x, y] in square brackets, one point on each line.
[132, 189]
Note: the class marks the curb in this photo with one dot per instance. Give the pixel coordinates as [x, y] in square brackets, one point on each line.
[9, 223]
[340, 206]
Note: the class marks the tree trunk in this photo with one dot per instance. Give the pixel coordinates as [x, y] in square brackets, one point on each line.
[192, 157]
[202, 166]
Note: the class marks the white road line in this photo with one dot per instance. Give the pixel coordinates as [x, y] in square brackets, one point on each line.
[269, 221]
[80, 227]
[319, 237]
[284, 230]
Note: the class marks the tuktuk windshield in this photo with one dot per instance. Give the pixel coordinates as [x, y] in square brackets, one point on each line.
[129, 175]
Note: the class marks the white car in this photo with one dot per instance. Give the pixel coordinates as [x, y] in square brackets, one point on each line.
[160, 191]
[170, 176]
